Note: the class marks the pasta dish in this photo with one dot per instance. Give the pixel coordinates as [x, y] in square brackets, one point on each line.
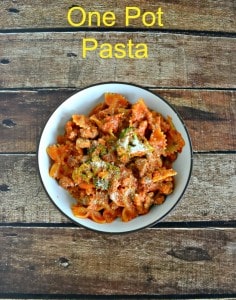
[117, 161]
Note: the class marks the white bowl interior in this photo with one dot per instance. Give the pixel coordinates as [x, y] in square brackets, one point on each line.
[81, 103]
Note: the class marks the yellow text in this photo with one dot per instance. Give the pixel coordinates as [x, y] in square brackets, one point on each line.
[148, 18]
[77, 17]
[119, 50]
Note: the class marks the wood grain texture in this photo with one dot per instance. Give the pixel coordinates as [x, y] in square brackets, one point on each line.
[178, 15]
[191, 63]
[210, 195]
[151, 262]
[210, 116]
[30, 60]
[120, 297]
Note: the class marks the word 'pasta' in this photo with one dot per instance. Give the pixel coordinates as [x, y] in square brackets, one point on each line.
[117, 161]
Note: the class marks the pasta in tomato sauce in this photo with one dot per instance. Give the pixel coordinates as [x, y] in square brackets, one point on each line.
[117, 161]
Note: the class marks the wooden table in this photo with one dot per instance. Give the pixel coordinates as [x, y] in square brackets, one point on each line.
[191, 63]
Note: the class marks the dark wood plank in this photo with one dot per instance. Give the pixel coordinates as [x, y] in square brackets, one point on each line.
[209, 116]
[210, 196]
[54, 59]
[184, 15]
[120, 297]
[150, 262]
[113, 297]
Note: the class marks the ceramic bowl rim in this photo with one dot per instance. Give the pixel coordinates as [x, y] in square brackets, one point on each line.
[151, 224]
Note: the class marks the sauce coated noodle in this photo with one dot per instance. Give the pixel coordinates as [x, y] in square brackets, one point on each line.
[117, 161]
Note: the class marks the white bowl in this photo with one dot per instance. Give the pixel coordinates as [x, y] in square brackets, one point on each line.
[81, 103]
